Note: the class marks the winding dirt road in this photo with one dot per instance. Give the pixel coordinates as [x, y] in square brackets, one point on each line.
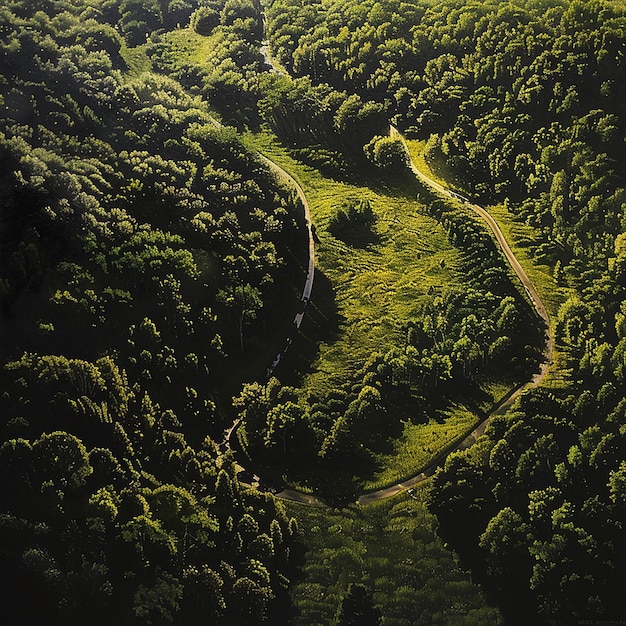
[508, 400]
[508, 253]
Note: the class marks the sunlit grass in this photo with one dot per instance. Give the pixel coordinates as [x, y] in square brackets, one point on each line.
[439, 172]
[376, 289]
[137, 61]
[192, 47]
[419, 445]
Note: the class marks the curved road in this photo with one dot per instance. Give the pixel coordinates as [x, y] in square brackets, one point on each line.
[508, 253]
[306, 291]
[289, 494]
[493, 225]
[308, 283]
[502, 406]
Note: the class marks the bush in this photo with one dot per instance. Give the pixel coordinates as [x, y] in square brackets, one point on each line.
[353, 222]
[204, 20]
[387, 153]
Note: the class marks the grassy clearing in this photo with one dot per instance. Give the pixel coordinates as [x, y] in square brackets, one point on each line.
[193, 48]
[439, 172]
[390, 547]
[375, 288]
[361, 298]
[419, 445]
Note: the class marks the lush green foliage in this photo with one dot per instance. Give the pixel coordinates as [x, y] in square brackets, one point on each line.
[353, 222]
[523, 100]
[142, 249]
[389, 556]
[525, 103]
[147, 267]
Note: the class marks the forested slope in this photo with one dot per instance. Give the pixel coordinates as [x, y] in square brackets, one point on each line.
[147, 259]
[525, 103]
[149, 263]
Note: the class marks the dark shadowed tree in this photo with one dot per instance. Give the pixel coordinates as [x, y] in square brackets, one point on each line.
[358, 609]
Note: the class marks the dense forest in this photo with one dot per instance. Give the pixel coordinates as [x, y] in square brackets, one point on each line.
[151, 264]
[147, 257]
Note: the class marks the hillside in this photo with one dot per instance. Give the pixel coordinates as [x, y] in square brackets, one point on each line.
[461, 171]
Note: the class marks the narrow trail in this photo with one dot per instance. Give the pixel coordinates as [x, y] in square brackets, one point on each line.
[508, 400]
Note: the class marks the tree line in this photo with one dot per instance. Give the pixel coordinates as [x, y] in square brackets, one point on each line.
[143, 263]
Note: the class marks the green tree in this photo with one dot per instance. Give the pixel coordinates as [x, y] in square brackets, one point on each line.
[281, 420]
[138, 18]
[245, 301]
[354, 222]
[61, 459]
[506, 540]
[388, 153]
[204, 20]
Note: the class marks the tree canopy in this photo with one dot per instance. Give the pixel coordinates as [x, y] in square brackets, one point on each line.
[148, 265]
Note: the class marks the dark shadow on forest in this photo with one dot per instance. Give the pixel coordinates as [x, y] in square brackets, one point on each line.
[320, 324]
[360, 236]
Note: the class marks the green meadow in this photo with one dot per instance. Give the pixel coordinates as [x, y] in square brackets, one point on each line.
[362, 298]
